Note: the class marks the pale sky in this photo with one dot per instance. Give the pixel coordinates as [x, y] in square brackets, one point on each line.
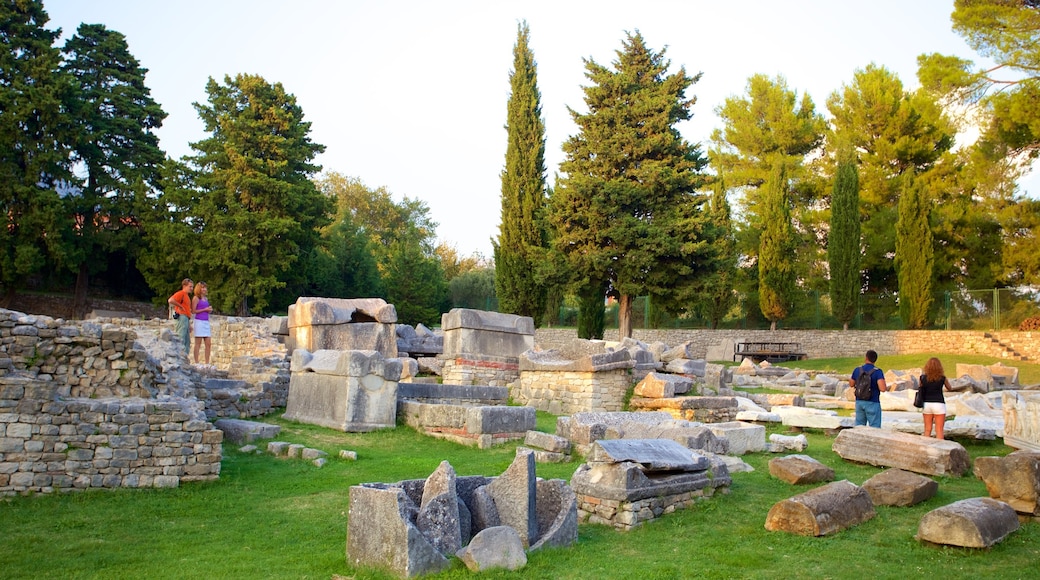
[412, 96]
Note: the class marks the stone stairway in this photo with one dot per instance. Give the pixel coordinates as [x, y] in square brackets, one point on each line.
[1008, 351]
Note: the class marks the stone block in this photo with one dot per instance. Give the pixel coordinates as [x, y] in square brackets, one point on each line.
[1013, 479]
[1021, 419]
[380, 533]
[242, 431]
[651, 454]
[362, 398]
[496, 547]
[557, 514]
[822, 511]
[743, 437]
[799, 470]
[480, 333]
[978, 522]
[897, 487]
[500, 419]
[914, 453]
[782, 443]
[515, 493]
[547, 442]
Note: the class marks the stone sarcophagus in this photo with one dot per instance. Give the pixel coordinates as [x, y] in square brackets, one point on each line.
[1021, 419]
[482, 347]
[343, 324]
[584, 376]
[352, 391]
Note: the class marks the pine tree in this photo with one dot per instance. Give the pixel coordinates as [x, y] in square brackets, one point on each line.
[33, 146]
[522, 237]
[914, 254]
[843, 244]
[114, 117]
[776, 281]
[718, 294]
[628, 211]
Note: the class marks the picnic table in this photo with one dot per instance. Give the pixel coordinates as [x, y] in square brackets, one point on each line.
[768, 351]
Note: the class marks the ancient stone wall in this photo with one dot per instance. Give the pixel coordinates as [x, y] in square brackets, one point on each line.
[831, 343]
[464, 371]
[568, 392]
[50, 444]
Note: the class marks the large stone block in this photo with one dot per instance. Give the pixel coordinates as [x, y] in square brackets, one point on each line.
[1021, 419]
[342, 324]
[897, 487]
[1014, 479]
[743, 437]
[910, 452]
[380, 533]
[355, 392]
[800, 469]
[515, 494]
[978, 522]
[822, 511]
[477, 333]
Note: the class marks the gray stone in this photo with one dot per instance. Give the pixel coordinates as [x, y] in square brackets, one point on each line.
[800, 469]
[479, 333]
[743, 437]
[1013, 479]
[342, 324]
[380, 533]
[547, 442]
[242, 431]
[825, 510]
[789, 442]
[661, 386]
[651, 454]
[497, 547]
[686, 367]
[1021, 419]
[355, 392]
[915, 453]
[557, 507]
[515, 493]
[483, 510]
[560, 361]
[896, 487]
[978, 522]
[500, 419]
[348, 455]
[686, 433]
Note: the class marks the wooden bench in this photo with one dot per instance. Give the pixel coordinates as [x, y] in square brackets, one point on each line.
[768, 351]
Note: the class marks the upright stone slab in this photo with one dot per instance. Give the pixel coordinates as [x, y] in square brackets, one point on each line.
[515, 493]
[343, 324]
[978, 522]
[482, 347]
[1021, 419]
[822, 511]
[438, 518]
[380, 534]
[352, 391]
[903, 450]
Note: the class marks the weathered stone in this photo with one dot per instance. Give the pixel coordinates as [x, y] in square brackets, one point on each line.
[1021, 419]
[547, 442]
[658, 386]
[686, 433]
[359, 395]
[897, 487]
[822, 511]
[557, 507]
[380, 533]
[515, 493]
[743, 437]
[910, 452]
[688, 367]
[1013, 479]
[497, 547]
[469, 332]
[978, 522]
[800, 469]
[342, 324]
[242, 431]
[788, 442]
[651, 454]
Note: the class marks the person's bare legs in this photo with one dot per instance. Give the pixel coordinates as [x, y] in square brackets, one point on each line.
[208, 345]
[940, 423]
[928, 420]
[198, 343]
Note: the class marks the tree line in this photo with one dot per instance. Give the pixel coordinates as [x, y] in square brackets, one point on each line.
[877, 198]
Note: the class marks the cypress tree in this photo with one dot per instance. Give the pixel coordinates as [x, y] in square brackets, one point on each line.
[522, 233]
[776, 249]
[914, 254]
[843, 244]
[718, 294]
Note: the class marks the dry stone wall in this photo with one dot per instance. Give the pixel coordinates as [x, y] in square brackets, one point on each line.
[830, 343]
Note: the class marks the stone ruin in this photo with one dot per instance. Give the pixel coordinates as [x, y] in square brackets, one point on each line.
[584, 376]
[347, 390]
[626, 482]
[484, 348]
[414, 527]
[1021, 419]
[342, 324]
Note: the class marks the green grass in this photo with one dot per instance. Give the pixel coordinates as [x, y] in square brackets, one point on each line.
[278, 518]
[1028, 373]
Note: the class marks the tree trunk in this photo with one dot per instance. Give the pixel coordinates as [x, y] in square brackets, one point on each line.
[243, 307]
[79, 297]
[844, 326]
[625, 316]
[772, 325]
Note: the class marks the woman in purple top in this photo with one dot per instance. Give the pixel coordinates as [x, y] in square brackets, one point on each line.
[200, 308]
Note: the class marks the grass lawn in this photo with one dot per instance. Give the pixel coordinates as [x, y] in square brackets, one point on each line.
[1028, 373]
[279, 518]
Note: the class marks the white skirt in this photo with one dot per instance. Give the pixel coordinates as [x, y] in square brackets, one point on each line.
[934, 409]
[202, 329]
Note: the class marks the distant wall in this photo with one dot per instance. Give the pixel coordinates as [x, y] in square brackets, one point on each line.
[832, 343]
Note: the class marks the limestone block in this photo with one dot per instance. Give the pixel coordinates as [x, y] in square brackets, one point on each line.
[716, 376]
[978, 522]
[914, 453]
[311, 311]
[1013, 479]
[651, 454]
[686, 433]
[500, 419]
[560, 361]
[380, 533]
[514, 493]
[547, 442]
[242, 431]
[362, 397]
[686, 367]
[799, 469]
[1005, 376]
[897, 487]
[721, 351]
[496, 547]
[978, 373]
[743, 437]
[659, 385]
[438, 518]
[822, 511]
[815, 421]
[1021, 419]
[469, 332]
[789, 442]
[557, 514]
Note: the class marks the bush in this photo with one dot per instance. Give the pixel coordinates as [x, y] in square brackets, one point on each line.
[1031, 323]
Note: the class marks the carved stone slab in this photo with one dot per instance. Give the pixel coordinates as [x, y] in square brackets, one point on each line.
[910, 452]
[651, 454]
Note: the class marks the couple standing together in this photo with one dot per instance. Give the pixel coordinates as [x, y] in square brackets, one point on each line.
[933, 381]
[187, 307]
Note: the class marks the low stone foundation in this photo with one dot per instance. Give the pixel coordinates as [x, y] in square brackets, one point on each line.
[569, 392]
[470, 371]
[480, 426]
[625, 515]
[49, 445]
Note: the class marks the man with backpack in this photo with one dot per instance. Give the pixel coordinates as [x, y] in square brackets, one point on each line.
[868, 381]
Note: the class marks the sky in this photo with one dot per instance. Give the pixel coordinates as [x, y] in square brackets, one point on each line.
[412, 96]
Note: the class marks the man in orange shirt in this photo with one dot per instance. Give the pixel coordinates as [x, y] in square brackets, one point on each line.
[181, 302]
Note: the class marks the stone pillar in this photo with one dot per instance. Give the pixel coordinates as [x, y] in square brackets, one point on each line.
[352, 391]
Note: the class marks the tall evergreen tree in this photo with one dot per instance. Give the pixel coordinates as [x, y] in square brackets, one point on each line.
[33, 146]
[776, 280]
[114, 117]
[914, 254]
[591, 313]
[843, 243]
[718, 292]
[247, 209]
[522, 236]
[628, 211]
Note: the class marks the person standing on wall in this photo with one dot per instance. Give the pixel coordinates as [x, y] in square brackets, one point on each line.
[933, 381]
[868, 411]
[181, 302]
[201, 308]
